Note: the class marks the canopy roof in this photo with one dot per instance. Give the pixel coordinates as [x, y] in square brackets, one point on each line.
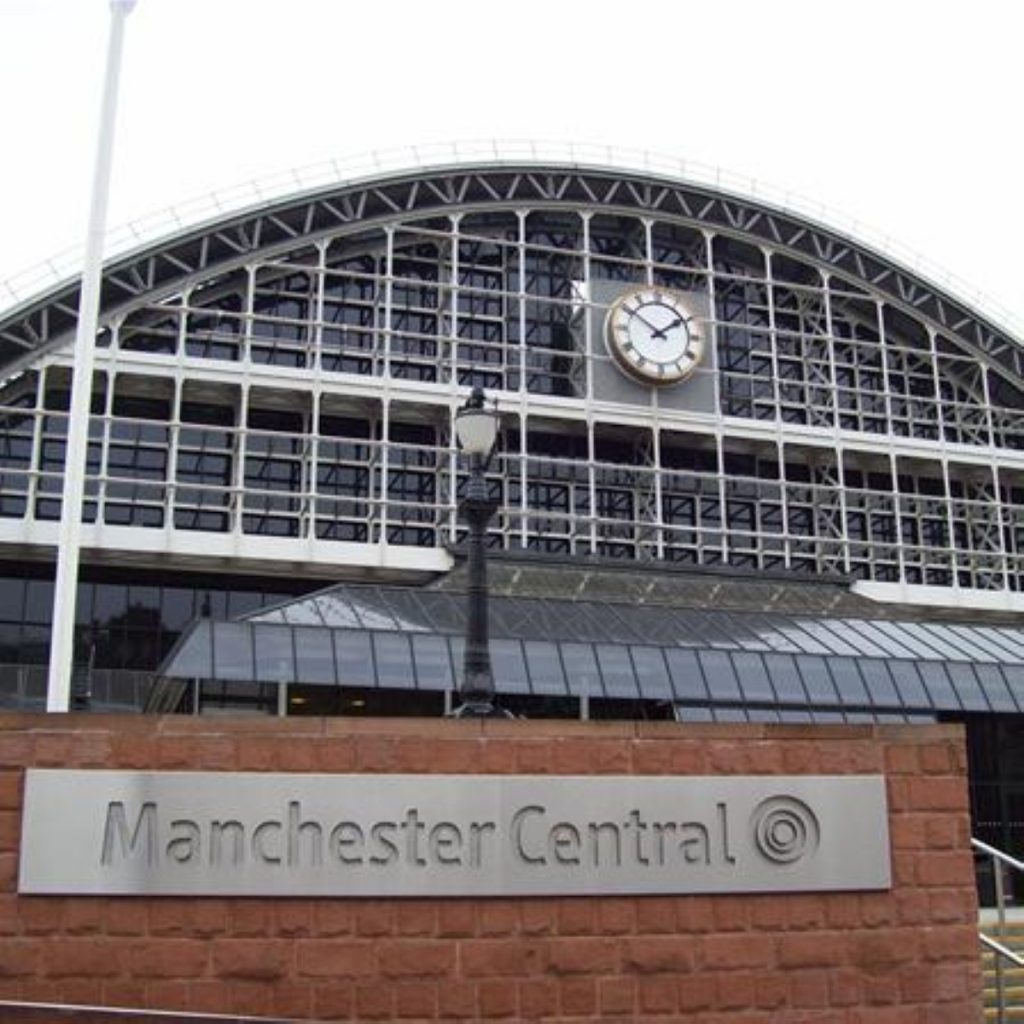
[411, 638]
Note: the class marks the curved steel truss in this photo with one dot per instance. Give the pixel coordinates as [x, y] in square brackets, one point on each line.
[41, 323]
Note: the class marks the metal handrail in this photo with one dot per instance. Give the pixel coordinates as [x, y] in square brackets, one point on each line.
[137, 1014]
[998, 859]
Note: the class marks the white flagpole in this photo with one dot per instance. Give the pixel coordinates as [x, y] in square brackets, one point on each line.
[62, 636]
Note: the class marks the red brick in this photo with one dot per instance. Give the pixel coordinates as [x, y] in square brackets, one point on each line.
[656, 954]
[374, 1002]
[457, 1000]
[415, 958]
[333, 917]
[375, 918]
[456, 918]
[126, 916]
[810, 949]
[333, 1001]
[10, 790]
[252, 959]
[808, 989]
[657, 993]
[538, 917]
[19, 958]
[538, 998]
[583, 956]
[616, 995]
[498, 917]
[416, 918]
[168, 958]
[335, 958]
[577, 917]
[944, 868]
[657, 914]
[938, 793]
[696, 992]
[736, 990]
[577, 996]
[498, 957]
[498, 999]
[616, 916]
[886, 948]
[416, 999]
[732, 951]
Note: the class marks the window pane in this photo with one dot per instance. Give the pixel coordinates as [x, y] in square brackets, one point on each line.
[314, 655]
[848, 681]
[687, 676]
[194, 658]
[817, 679]
[753, 678]
[617, 670]
[545, 667]
[433, 662]
[581, 668]
[936, 682]
[509, 666]
[232, 651]
[967, 687]
[719, 673]
[275, 662]
[992, 682]
[353, 659]
[908, 682]
[651, 673]
[393, 659]
[785, 677]
[879, 683]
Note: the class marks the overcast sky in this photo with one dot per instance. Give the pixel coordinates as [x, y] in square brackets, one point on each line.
[904, 115]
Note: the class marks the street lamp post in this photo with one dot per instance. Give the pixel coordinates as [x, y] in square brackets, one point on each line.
[476, 428]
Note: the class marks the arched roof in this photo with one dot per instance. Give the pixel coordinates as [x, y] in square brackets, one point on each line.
[161, 268]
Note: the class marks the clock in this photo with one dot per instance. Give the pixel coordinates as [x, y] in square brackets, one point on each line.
[654, 336]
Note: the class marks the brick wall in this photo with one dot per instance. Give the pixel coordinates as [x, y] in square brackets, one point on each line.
[908, 956]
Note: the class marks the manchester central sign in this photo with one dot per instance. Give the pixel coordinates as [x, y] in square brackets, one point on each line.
[185, 833]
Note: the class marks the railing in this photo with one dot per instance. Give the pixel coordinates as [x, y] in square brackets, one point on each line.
[1002, 953]
[12, 1010]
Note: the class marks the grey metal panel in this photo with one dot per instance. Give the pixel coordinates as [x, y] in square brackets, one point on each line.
[318, 835]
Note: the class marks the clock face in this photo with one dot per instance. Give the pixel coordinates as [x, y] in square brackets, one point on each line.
[654, 336]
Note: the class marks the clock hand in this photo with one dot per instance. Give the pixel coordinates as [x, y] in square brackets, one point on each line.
[661, 333]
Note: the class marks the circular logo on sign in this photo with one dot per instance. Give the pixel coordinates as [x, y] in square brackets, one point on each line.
[785, 829]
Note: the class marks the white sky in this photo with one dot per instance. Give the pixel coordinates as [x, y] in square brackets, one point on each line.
[905, 115]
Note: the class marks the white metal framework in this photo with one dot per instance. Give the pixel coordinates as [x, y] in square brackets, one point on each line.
[280, 387]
